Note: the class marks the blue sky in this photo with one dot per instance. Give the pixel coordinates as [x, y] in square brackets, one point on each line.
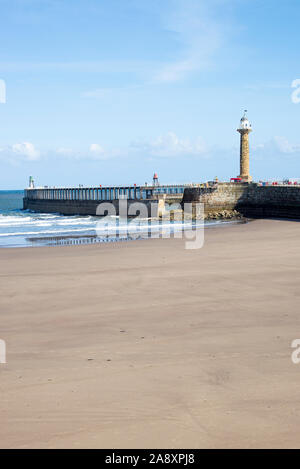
[109, 91]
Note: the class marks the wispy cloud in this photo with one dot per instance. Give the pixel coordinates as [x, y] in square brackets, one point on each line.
[267, 86]
[284, 146]
[18, 152]
[170, 146]
[27, 150]
[199, 34]
[278, 145]
[164, 146]
[95, 151]
[96, 66]
[65, 151]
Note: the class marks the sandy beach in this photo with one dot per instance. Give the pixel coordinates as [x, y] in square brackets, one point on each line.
[147, 345]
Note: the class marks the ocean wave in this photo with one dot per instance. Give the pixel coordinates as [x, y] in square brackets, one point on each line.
[30, 233]
[106, 229]
[16, 226]
[37, 224]
[43, 220]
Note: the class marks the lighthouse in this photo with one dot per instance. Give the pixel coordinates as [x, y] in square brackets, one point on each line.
[155, 180]
[31, 183]
[244, 130]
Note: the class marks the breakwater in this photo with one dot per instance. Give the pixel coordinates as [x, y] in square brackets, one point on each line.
[251, 200]
[100, 200]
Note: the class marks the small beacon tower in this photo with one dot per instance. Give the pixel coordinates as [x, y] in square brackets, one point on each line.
[31, 183]
[244, 130]
[155, 180]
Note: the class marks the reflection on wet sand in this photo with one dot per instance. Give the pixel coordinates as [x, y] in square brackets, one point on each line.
[82, 240]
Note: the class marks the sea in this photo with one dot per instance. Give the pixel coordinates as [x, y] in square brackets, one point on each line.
[23, 228]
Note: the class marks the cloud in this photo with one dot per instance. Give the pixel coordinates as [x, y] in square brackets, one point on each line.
[19, 152]
[26, 150]
[267, 86]
[102, 66]
[170, 146]
[197, 33]
[274, 148]
[94, 152]
[65, 151]
[284, 146]
[96, 149]
[195, 25]
[165, 146]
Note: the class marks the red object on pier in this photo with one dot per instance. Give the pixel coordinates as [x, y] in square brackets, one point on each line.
[155, 180]
[236, 180]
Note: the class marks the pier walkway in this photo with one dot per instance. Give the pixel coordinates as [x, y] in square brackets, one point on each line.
[104, 193]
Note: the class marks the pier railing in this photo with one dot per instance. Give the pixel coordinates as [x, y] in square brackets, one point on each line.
[103, 193]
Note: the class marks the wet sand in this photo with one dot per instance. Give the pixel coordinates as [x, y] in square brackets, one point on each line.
[148, 345]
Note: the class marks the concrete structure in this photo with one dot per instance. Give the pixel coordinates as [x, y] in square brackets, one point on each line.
[244, 130]
[86, 201]
[251, 200]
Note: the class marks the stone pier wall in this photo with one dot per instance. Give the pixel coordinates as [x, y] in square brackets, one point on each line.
[88, 207]
[251, 200]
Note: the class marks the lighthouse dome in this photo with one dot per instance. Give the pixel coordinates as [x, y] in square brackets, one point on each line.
[245, 124]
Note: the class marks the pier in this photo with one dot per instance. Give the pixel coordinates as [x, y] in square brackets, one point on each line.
[251, 200]
[86, 200]
[104, 193]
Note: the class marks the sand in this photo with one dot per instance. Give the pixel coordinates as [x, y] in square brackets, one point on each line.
[147, 345]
